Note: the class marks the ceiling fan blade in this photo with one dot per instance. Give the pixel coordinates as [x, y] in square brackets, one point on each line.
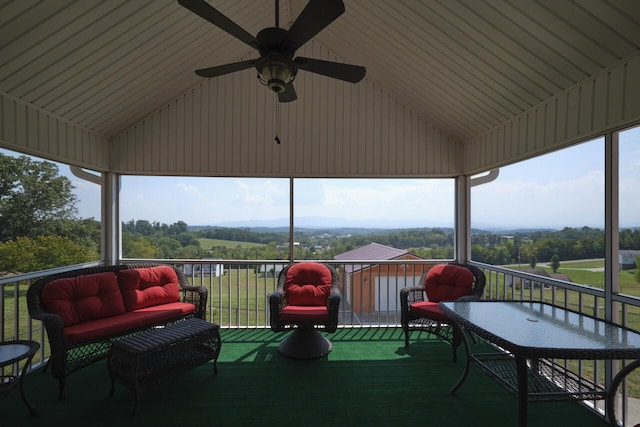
[316, 15]
[206, 11]
[347, 72]
[289, 94]
[225, 69]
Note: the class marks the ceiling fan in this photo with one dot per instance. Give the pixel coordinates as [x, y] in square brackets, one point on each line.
[277, 67]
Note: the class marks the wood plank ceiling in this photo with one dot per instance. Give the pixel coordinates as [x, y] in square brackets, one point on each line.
[465, 65]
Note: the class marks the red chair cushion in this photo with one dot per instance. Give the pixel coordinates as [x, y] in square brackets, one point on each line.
[429, 310]
[82, 298]
[446, 282]
[297, 313]
[145, 287]
[307, 284]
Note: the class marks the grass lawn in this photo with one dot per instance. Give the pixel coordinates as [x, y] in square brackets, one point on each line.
[589, 272]
[207, 244]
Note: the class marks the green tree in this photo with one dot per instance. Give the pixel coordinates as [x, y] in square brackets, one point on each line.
[139, 247]
[23, 254]
[555, 262]
[34, 198]
[533, 261]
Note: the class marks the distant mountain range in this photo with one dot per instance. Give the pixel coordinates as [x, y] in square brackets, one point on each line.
[329, 222]
[365, 231]
[352, 227]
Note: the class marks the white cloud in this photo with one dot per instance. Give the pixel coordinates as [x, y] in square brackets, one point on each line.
[189, 189]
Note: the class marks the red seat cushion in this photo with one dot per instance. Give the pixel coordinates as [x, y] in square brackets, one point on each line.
[112, 326]
[83, 298]
[307, 284]
[446, 282]
[429, 310]
[297, 313]
[145, 287]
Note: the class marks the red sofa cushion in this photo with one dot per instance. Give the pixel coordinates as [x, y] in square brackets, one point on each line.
[307, 284]
[297, 313]
[83, 298]
[146, 287]
[96, 330]
[446, 282]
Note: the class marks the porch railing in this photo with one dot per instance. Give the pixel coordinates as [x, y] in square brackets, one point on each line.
[239, 291]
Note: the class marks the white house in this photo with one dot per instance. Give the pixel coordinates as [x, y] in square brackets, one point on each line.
[215, 269]
[627, 259]
[272, 270]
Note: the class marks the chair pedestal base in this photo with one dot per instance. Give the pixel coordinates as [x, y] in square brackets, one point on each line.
[305, 343]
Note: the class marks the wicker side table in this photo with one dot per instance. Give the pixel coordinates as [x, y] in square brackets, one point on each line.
[148, 358]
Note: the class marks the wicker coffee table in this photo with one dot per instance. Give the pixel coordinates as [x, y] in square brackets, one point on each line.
[153, 356]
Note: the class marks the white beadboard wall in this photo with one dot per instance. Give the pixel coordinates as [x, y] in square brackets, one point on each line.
[226, 127]
[31, 130]
[609, 100]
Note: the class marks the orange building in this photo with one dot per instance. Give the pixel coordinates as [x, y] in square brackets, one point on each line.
[371, 288]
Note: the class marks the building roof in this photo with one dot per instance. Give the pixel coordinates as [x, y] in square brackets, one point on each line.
[629, 253]
[372, 251]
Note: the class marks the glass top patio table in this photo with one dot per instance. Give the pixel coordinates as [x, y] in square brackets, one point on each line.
[545, 330]
[529, 331]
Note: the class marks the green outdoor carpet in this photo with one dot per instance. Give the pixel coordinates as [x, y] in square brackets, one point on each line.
[369, 379]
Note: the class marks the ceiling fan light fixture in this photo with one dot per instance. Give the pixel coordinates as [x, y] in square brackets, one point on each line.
[276, 72]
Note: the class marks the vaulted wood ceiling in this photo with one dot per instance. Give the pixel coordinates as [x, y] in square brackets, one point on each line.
[464, 65]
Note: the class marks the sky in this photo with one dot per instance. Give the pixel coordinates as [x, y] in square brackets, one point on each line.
[560, 189]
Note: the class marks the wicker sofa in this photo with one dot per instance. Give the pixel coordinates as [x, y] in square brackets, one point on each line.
[85, 310]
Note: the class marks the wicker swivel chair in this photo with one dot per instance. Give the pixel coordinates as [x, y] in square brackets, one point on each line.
[443, 282]
[306, 301]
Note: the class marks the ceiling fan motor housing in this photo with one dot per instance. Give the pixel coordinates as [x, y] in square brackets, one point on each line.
[276, 71]
[275, 66]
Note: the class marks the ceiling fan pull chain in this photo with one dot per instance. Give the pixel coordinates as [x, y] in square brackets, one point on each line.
[277, 122]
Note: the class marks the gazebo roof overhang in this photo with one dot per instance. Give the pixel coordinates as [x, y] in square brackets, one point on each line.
[452, 88]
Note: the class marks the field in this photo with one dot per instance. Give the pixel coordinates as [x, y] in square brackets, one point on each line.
[208, 244]
[591, 272]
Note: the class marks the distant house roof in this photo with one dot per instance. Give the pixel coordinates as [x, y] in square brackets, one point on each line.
[370, 252]
[628, 253]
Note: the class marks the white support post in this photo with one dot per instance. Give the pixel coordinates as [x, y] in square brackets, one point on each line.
[463, 219]
[111, 242]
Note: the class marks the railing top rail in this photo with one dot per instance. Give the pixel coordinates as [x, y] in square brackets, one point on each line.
[38, 274]
[285, 262]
